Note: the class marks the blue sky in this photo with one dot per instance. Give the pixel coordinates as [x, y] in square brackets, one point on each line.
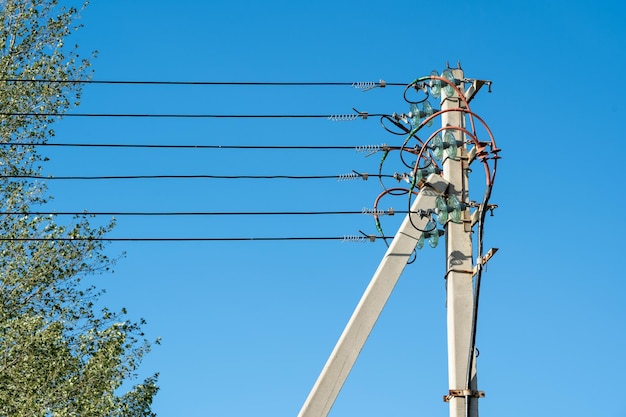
[247, 326]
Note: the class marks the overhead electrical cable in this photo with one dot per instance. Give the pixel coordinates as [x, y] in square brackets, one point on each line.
[368, 149]
[201, 213]
[347, 238]
[363, 85]
[343, 177]
[135, 145]
[331, 117]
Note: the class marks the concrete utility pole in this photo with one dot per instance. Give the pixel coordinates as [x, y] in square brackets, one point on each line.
[461, 294]
[463, 399]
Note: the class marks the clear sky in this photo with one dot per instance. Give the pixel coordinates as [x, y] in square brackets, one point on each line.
[247, 326]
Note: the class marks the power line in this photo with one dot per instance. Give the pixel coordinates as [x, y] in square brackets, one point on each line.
[347, 238]
[202, 213]
[343, 177]
[363, 85]
[124, 145]
[331, 117]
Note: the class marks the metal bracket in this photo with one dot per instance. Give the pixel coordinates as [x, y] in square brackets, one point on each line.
[484, 259]
[463, 393]
[474, 87]
[478, 151]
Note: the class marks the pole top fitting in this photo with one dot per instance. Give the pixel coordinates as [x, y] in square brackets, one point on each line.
[463, 393]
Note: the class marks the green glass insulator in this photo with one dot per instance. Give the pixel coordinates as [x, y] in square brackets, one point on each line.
[437, 146]
[427, 111]
[447, 88]
[431, 169]
[415, 115]
[454, 208]
[435, 85]
[450, 144]
[442, 210]
[420, 242]
[433, 234]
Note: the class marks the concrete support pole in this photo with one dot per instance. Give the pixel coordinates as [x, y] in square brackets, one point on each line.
[344, 355]
[459, 268]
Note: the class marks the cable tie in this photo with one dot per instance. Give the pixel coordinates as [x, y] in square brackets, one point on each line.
[391, 211]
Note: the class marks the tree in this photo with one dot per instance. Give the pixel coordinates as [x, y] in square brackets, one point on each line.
[60, 355]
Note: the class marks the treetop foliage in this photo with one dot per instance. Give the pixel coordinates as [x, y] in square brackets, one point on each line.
[60, 354]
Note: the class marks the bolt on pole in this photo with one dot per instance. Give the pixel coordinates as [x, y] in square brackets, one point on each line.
[459, 270]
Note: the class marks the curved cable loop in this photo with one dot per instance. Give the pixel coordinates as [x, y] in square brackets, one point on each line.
[420, 86]
[390, 191]
[410, 150]
[380, 167]
[418, 80]
[390, 118]
[413, 134]
[413, 257]
[428, 214]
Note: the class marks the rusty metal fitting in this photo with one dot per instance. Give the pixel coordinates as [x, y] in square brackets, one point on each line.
[453, 393]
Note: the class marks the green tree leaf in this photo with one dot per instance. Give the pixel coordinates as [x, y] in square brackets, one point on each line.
[59, 355]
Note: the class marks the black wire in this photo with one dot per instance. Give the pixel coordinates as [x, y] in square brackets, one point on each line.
[479, 272]
[243, 83]
[191, 213]
[416, 87]
[189, 239]
[332, 117]
[123, 145]
[135, 177]
[410, 150]
[429, 215]
[389, 118]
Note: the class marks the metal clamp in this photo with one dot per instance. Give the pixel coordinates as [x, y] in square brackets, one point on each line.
[463, 393]
[483, 260]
